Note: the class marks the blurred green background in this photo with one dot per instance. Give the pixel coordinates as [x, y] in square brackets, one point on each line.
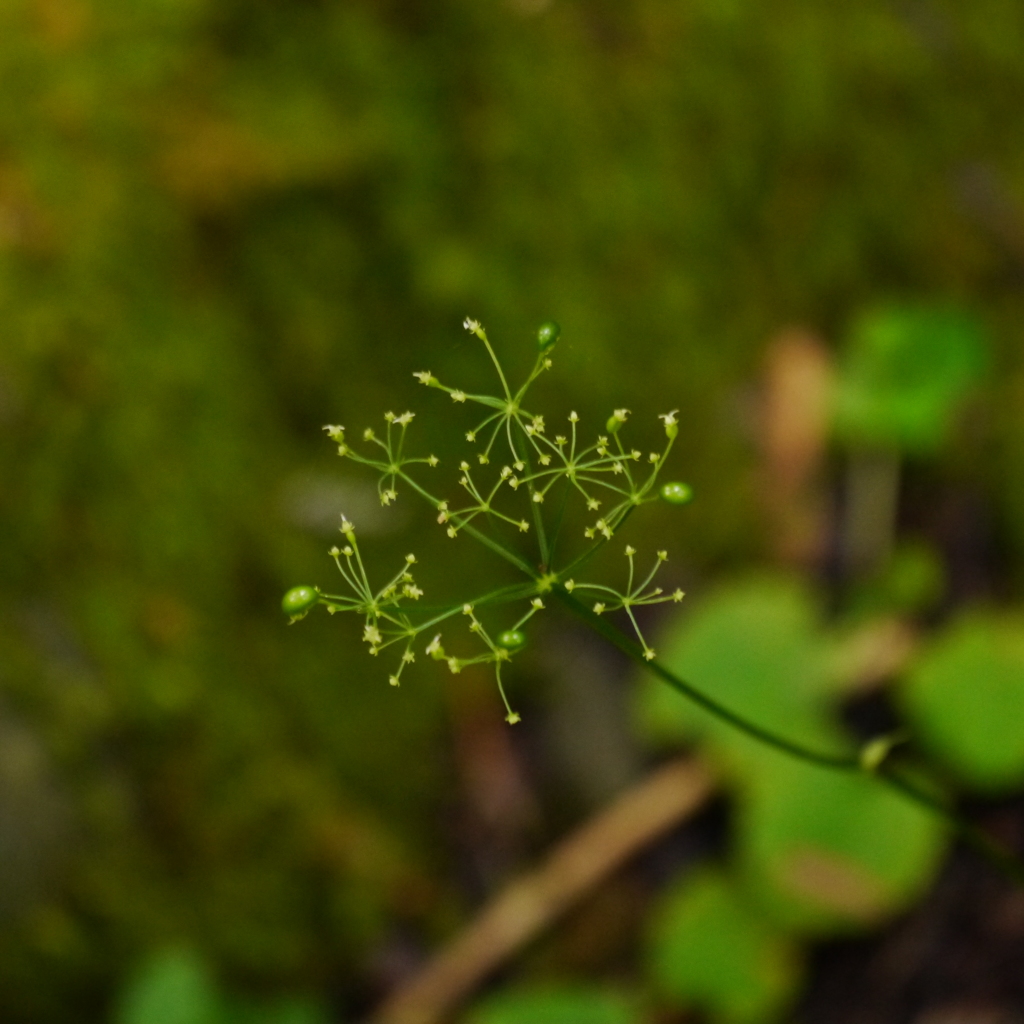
[224, 224]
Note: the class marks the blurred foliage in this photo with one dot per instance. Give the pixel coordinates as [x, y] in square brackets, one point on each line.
[822, 850]
[177, 987]
[707, 948]
[566, 1005]
[905, 371]
[965, 698]
[223, 224]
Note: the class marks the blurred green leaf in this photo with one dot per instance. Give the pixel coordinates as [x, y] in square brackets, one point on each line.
[173, 987]
[571, 1004]
[827, 849]
[905, 370]
[708, 949]
[283, 1011]
[830, 850]
[912, 581]
[965, 698]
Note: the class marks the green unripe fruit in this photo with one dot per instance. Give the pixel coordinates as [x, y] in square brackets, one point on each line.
[677, 493]
[547, 335]
[512, 639]
[299, 600]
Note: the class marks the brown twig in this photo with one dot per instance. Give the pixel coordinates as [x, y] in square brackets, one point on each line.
[531, 903]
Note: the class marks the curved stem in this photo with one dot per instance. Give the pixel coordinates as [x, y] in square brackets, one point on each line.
[846, 762]
[994, 852]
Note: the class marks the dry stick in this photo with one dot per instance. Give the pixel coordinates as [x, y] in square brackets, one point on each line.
[531, 903]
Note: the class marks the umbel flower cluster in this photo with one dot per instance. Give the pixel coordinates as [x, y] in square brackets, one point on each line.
[519, 478]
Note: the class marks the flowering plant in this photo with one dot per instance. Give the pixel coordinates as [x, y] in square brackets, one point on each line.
[521, 471]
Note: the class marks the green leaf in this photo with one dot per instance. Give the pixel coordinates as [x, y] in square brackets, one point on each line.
[173, 987]
[965, 698]
[905, 371]
[281, 1011]
[563, 1005]
[825, 849]
[829, 850]
[708, 949]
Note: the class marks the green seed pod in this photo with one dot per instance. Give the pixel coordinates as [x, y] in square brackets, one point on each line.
[547, 335]
[298, 601]
[677, 493]
[512, 639]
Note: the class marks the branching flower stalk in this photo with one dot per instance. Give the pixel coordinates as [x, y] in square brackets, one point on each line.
[517, 472]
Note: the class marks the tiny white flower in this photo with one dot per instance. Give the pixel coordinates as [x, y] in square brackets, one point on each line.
[471, 325]
[570, 585]
[453, 666]
[630, 550]
[599, 608]
[649, 653]
[433, 461]
[405, 419]
[523, 525]
[371, 634]
[537, 603]
[458, 396]
[394, 681]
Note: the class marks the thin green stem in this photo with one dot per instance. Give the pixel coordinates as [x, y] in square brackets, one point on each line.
[629, 647]
[498, 549]
[994, 852]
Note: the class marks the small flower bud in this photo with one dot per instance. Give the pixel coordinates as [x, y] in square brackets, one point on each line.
[677, 493]
[298, 601]
[547, 335]
[616, 420]
[512, 639]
